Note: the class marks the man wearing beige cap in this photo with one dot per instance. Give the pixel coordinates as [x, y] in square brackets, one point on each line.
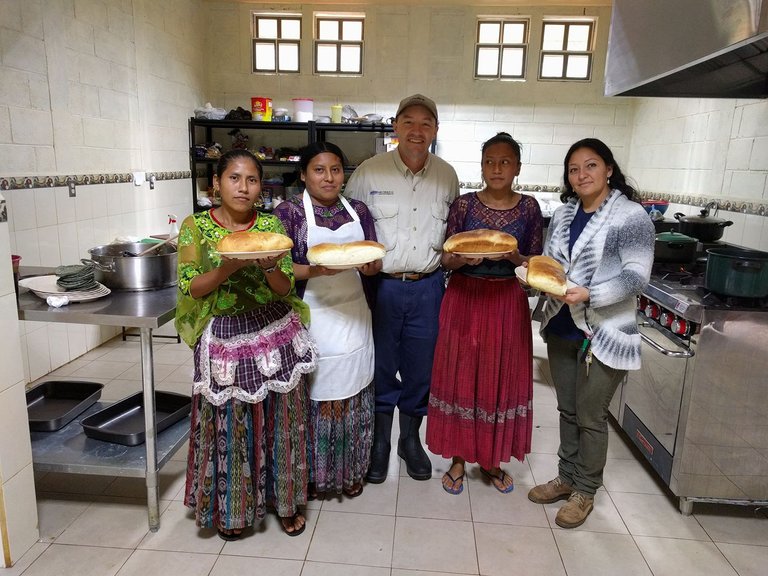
[408, 192]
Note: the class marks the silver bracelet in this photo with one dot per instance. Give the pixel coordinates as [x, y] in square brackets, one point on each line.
[269, 270]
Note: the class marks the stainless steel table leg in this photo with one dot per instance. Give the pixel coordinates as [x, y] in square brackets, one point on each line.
[686, 506]
[148, 384]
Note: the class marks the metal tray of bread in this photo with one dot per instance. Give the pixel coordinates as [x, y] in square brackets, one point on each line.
[55, 403]
[123, 421]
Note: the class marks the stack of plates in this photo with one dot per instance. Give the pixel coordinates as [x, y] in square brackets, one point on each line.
[44, 286]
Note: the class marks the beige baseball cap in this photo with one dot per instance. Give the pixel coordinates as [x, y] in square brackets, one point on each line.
[417, 100]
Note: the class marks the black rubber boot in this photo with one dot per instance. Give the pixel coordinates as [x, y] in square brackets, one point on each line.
[409, 448]
[382, 430]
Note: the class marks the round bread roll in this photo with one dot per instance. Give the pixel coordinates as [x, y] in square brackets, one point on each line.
[546, 274]
[348, 254]
[246, 241]
[481, 241]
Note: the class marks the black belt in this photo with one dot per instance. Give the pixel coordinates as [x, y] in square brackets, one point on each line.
[408, 276]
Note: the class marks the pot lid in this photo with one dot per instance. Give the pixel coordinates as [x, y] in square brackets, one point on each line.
[675, 237]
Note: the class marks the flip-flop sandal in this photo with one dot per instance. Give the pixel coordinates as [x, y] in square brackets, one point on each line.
[504, 476]
[351, 494]
[229, 536]
[295, 531]
[453, 490]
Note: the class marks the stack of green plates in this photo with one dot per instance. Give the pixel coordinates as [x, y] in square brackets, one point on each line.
[76, 277]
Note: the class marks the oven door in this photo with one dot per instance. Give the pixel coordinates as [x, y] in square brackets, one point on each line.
[652, 396]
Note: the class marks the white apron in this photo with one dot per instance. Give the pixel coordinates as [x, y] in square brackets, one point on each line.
[340, 318]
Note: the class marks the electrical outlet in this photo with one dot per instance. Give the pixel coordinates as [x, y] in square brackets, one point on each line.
[72, 191]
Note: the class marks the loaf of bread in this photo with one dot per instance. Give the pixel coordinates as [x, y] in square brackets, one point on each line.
[246, 241]
[481, 241]
[546, 274]
[350, 253]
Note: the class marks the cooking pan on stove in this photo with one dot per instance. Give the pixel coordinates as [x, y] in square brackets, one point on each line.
[674, 248]
[739, 272]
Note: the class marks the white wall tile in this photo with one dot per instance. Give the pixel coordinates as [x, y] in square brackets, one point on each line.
[10, 352]
[69, 246]
[21, 512]
[23, 52]
[15, 448]
[747, 184]
[45, 206]
[28, 246]
[22, 209]
[48, 238]
[739, 153]
[76, 340]
[31, 126]
[65, 206]
[38, 353]
[58, 344]
[753, 229]
[759, 157]
[6, 269]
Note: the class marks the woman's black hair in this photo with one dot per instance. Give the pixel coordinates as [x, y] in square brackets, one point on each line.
[228, 157]
[617, 179]
[503, 138]
[311, 150]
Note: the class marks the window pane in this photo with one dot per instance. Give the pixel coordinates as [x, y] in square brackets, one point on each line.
[578, 67]
[289, 57]
[350, 59]
[328, 30]
[552, 66]
[291, 30]
[326, 58]
[265, 56]
[488, 33]
[578, 37]
[488, 62]
[512, 62]
[514, 33]
[352, 30]
[267, 28]
[554, 35]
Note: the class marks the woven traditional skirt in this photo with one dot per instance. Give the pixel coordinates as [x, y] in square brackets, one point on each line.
[482, 378]
[341, 434]
[249, 440]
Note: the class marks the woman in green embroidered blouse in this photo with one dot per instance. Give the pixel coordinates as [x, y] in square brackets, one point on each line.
[248, 441]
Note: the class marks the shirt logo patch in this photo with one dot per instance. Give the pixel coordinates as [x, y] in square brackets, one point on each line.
[382, 193]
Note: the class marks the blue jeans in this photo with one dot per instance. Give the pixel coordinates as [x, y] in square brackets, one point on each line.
[405, 324]
[582, 400]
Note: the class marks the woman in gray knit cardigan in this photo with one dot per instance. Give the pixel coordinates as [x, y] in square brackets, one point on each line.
[604, 239]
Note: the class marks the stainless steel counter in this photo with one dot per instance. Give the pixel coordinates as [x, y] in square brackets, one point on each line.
[143, 310]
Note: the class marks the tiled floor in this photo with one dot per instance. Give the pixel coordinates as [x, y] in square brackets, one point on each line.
[97, 526]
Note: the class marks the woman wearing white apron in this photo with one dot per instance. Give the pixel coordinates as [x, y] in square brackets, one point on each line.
[341, 413]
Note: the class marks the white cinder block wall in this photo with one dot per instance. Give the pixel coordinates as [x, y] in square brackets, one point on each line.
[428, 47]
[83, 91]
[713, 148]
[87, 87]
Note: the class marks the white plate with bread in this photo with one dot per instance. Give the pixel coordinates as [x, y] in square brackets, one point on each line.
[481, 243]
[248, 245]
[545, 274]
[346, 255]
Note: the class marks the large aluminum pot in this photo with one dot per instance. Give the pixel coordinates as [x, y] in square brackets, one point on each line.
[737, 272]
[135, 273]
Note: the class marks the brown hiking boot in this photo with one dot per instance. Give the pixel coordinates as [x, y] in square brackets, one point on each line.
[552, 491]
[575, 511]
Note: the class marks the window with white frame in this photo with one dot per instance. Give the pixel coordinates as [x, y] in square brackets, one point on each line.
[276, 43]
[566, 50]
[339, 44]
[501, 48]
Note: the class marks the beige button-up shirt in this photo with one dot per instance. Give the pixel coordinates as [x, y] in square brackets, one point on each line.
[410, 209]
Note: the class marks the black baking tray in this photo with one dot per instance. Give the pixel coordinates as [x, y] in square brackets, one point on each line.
[55, 403]
[123, 421]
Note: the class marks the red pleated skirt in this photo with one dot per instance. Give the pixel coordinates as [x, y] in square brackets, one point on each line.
[480, 403]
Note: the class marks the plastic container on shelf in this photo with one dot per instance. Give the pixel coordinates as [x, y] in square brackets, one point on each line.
[261, 108]
[304, 109]
[336, 113]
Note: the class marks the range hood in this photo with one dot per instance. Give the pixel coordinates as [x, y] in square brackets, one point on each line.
[688, 48]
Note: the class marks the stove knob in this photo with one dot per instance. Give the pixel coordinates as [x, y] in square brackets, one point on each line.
[666, 319]
[652, 311]
[642, 302]
[681, 327]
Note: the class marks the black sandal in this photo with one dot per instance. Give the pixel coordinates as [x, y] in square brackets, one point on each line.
[228, 536]
[295, 531]
[351, 493]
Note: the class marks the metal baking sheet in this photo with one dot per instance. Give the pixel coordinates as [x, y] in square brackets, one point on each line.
[123, 421]
[55, 403]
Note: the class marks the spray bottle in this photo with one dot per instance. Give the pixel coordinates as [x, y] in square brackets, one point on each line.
[174, 232]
